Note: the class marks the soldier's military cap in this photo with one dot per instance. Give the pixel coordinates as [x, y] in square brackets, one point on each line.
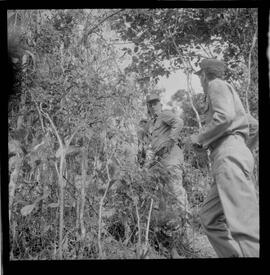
[143, 120]
[212, 66]
[152, 97]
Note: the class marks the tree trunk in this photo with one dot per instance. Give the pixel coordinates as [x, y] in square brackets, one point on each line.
[83, 183]
[78, 212]
[61, 202]
[189, 92]
[249, 71]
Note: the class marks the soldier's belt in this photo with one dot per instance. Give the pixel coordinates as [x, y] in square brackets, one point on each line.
[219, 141]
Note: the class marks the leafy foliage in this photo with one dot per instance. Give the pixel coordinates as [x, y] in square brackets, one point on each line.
[182, 37]
[73, 121]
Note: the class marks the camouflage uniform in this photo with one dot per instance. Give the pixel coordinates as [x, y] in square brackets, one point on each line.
[230, 214]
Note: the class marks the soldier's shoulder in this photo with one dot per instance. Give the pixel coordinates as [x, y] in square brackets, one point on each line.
[167, 114]
[218, 84]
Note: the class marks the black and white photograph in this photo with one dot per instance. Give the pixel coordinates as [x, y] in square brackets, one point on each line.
[133, 133]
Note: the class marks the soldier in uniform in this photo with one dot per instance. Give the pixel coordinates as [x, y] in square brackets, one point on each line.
[230, 214]
[164, 130]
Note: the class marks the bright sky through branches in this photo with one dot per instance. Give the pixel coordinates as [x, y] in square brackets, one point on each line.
[177, 81]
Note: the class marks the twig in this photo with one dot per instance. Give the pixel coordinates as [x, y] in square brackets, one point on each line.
[189, 86]
[100, 217]
[56, 168]
[84, 171]
[145, 246]
[114, 59]
[101, 204]
[204, 49]
[249, 67]
[54, 128]
[39, 113]
[61, 202]
[211, 54]
[72, 135]
[191, 101]
[138, 221]
[179, 54]
[148, 222]
[98, 24]
[61, 184]
[190, 65]
[74, 195]
[15, 21]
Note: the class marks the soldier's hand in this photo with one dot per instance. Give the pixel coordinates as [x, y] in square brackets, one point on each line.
[198, 148]
[191, 139]
[194, 139]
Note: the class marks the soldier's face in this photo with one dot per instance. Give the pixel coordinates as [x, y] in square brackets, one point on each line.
[143, 125]
[155, 107]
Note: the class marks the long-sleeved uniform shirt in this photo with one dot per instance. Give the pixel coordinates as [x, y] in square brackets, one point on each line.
[226, 114]
[165, 127]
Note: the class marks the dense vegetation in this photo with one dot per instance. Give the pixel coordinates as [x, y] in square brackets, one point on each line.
[76, 189]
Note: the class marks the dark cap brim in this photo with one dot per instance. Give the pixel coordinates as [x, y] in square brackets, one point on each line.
[152, 100]
[198, 72]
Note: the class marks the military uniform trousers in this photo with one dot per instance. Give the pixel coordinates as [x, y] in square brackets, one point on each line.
[230, 214]
[172, 162]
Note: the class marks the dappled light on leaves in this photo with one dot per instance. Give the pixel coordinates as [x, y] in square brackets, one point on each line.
[79, 186]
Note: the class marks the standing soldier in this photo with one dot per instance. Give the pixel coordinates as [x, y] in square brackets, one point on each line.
[164, 134]
[230, 214]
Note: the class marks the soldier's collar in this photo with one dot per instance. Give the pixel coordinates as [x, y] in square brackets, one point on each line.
[154, 118]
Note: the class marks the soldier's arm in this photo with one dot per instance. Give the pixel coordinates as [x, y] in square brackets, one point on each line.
[140, 135]
[253, 132]
[175, 122]
[222, 103]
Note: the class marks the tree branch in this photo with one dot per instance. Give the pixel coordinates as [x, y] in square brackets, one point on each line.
[83, 183]
[148, 222]
[102, 201]
[191, 101]
[145, 247]
[204, 49]
[138, 219]
[54, 128]
[72, 135]
[114, 59]
[39, 113]
[249, 68]
[179, 54]
[97, 25]
[188, 82]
